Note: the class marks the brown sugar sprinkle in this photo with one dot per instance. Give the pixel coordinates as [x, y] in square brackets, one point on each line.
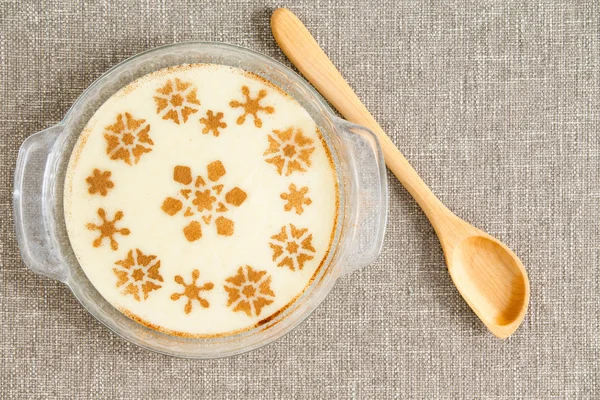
[202, 200]
[192, 292]
[212, 122]
[176, 100]
[108, 229]
[292, 247]
[252, 106]
[99, 182]
[249, 291]
[139, 273]
[128, 139]
[296, 199]
[289, 150]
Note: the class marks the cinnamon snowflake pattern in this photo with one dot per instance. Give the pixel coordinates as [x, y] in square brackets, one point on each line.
[203, 200]
[292, 247]
[252, 106]
[249, 291]
[289, 150]
[213, 123]
[128, 139]
[192, 292]
[139, 274]
[176, 100]
[108, 229]
[99, 182]
[296, 199]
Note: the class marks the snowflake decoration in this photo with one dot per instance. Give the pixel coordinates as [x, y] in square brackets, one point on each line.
[249, 291]
[128, 139]
[192, 292]
[203, 200]
[289, 151]
[108, 229]
[139, 272]
[99, 182]
[252, 106]
[292, 247]
[212, 122]
[176, 101]
[296, 199]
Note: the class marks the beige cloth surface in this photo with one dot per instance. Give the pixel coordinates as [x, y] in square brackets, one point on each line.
[496, 104]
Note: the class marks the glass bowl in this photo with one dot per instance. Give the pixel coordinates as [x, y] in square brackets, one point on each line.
[40, 176]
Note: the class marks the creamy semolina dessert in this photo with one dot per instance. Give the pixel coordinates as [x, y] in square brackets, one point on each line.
[200, 200]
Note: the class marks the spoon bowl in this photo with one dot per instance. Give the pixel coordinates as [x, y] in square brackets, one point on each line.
[492, 280]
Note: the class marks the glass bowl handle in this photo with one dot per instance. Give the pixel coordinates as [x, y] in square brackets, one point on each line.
[367, 194]
[34, 178]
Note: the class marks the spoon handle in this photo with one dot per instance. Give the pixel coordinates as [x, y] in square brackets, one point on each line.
[305, 53]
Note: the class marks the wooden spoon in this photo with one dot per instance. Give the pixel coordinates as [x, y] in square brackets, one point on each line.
[488, 275]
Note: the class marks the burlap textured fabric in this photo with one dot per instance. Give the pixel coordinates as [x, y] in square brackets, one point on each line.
[496, 104]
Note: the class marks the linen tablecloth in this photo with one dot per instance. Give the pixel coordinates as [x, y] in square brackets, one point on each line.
[496, 104]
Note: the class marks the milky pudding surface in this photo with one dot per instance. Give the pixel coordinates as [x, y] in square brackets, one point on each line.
[200, 200]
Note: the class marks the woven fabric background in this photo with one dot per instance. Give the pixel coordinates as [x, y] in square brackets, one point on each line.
[496, 104]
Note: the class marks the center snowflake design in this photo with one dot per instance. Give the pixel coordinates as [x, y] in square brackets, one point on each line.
[201, 200]
[292, 247]
[249, 291]
[289, 150]
[252, 106]
[140, 272]
[128, 139]
[192, 291]
[176, 101]
[108, 229]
